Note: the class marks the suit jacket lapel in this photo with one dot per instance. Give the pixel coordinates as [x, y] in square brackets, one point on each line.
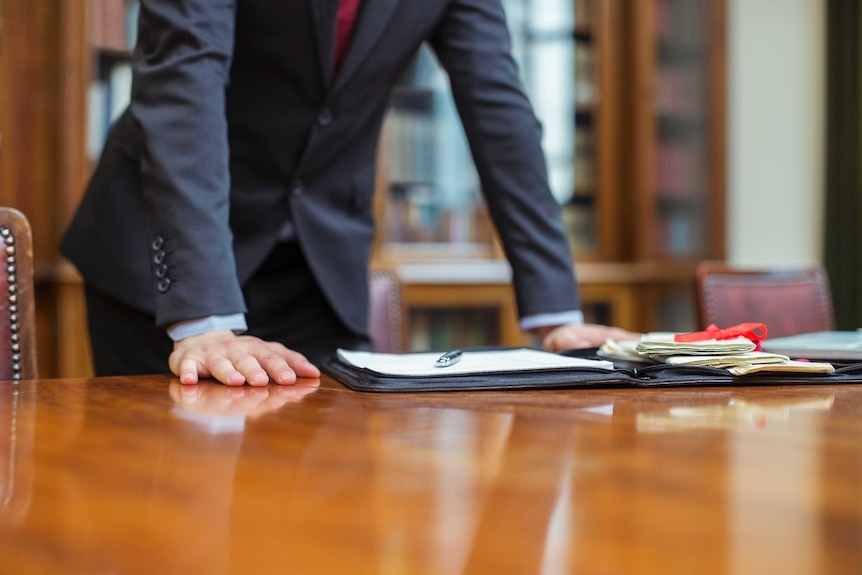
[324, 14]
[374, 15]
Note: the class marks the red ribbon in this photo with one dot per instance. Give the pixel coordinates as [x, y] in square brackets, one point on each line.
[756, 332]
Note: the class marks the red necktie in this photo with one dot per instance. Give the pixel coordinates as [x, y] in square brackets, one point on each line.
[347, 10]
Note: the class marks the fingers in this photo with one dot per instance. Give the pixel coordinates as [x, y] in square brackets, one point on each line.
[279, 369]
[300, 364]
[581, 336]
[565, 339]
[189, 370]
[224, 370]
[622, 334]
[236, 360]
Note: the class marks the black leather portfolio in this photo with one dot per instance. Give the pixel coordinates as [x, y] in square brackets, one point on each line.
[416, 373]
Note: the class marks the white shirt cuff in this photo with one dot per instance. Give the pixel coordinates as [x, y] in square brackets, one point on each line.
[529, 322]
[234, 322]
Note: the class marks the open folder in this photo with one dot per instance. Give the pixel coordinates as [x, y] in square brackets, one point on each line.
[501, 368]
[525, 368]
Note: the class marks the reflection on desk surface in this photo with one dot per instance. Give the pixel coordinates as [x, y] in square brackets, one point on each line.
[736, 413]
[132, 475]
[17, 419]
[219, 408]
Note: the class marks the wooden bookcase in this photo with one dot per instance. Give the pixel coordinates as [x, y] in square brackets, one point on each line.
[56, 61]
[642, 192]
[646, 86]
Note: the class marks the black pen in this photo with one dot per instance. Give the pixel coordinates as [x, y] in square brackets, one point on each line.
[449, 358]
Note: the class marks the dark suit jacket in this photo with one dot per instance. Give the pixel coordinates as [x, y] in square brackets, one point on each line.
[238, 123]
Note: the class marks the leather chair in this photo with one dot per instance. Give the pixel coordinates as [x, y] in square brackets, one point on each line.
[386, 314]
[787, 300]
[17, 305]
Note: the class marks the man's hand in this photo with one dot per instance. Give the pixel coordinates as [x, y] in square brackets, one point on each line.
[235, 360]
[575, 336]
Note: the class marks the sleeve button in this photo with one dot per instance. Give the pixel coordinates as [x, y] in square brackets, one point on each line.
[164, 285]
[324, 118]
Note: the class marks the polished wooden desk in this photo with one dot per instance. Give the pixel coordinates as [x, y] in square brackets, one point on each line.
[141, 475]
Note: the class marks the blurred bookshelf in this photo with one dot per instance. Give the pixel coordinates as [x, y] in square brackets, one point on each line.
[630, 94]
[112, 36]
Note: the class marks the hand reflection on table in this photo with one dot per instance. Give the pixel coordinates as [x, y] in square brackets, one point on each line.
[211, 402]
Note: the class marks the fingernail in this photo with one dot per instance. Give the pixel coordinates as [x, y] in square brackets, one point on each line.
[258, 378]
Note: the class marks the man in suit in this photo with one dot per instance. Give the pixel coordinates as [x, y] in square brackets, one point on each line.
[235, 193]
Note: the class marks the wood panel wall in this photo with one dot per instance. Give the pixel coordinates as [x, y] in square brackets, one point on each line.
[44, 71]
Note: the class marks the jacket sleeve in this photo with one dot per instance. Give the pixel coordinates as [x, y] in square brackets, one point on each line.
[181, 69]
[473, 45]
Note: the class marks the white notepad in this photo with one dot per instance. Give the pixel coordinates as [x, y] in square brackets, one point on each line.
[472, 362]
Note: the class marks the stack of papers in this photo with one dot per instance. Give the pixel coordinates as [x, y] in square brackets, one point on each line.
[735, 355]
[663, 344]
[752, 362]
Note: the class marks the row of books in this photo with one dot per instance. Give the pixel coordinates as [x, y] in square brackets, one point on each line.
[580, 221]
[412, 142]
[679, 169]
[418, 214]
[680, 90]
[109, 95]
[113, 32]
[585, 158]
[437, 329]
[586, 88]
[681, 21]
[583, 14]
[679, 233]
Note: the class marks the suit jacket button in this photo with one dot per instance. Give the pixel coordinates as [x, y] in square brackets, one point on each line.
[297, 190]
[158, 241]
[159, 257]
[164, 285]
[324, 118]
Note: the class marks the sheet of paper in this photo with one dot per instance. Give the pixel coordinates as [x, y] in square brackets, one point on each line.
[624, 350]
[472, 362]
[790, 366]
[732, 360]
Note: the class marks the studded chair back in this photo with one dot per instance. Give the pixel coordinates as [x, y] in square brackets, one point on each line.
[17, 305]
[788, 301]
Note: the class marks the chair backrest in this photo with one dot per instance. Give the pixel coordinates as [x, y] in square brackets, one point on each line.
[17, 298]
[386, 313]
[787, 300]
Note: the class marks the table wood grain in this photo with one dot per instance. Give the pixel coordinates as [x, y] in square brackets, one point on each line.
[142, 475]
